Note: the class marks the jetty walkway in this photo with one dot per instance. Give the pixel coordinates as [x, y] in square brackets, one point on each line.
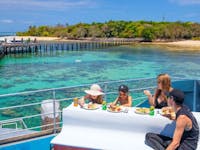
[15, 47]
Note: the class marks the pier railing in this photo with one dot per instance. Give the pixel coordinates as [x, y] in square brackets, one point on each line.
[23, 115]
[34, 46]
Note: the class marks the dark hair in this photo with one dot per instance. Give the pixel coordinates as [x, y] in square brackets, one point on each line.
[123, 88]
[178, 96]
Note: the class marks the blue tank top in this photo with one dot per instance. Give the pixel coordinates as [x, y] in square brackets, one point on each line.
[190, 138]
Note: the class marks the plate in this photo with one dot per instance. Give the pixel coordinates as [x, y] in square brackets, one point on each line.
[114, 111]
[161, 112]
[167, 111]
[91, 106]
[142, 110]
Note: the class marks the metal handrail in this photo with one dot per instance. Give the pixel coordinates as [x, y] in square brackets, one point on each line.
[26, 105]
[5, 124]
[31, 116]
[54, 100]
[9, 122]
[84, 85]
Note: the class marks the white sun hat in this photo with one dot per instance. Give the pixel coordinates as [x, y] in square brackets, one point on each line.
[95, 90]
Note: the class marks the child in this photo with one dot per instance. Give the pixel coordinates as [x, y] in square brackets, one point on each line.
[94, 95]
[124, 99]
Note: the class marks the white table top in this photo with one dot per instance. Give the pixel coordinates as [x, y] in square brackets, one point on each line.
[100, 129]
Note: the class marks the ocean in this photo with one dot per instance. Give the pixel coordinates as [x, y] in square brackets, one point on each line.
[55, 69]
[33, 71]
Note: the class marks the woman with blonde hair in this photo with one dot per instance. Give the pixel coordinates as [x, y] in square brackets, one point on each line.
[159, 99]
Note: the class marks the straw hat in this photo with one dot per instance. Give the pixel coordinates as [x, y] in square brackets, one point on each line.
[95, 90]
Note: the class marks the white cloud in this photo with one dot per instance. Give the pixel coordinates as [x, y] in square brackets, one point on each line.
[6, 21]
[186, 2]
[50, 4]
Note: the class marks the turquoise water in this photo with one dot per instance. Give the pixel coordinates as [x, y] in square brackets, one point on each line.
[25, 72]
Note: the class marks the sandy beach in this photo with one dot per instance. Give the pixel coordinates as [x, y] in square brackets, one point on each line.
[186, 44]
[180, 45]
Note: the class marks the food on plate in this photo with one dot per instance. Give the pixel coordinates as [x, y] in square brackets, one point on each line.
[115, 109]
[92, 106]
[173, 115]
[168, 112]
[142, 110]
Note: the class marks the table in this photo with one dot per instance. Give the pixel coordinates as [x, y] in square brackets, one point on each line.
[100, 129]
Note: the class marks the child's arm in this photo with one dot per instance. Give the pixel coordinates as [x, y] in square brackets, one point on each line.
[129, 104]
[83, 100]
[114, 103]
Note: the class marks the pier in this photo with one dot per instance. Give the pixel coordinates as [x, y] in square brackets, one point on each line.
[15, 47]
[9, 48]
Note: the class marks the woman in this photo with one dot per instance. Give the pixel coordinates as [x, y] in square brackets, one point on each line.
[159, 99]
[94, 95]
[124, 99]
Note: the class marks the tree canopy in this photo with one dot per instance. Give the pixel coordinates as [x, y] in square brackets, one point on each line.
[148, 30]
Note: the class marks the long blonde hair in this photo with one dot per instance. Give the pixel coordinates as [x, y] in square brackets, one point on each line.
[165, 81]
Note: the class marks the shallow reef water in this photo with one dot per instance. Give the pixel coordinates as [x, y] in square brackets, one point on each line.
[34, 71]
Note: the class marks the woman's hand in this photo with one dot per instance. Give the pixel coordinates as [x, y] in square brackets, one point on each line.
[112, 105]
[147, 92]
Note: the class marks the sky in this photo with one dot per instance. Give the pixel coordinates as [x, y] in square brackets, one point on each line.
[18, 15]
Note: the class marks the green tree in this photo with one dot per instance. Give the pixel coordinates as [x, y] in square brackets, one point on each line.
[148, 34]
[149, 30]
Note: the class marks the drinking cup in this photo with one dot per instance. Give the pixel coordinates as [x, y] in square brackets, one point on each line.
[75, 102]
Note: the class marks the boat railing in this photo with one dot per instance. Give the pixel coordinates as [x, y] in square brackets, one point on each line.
[13, 122]
[27, 120]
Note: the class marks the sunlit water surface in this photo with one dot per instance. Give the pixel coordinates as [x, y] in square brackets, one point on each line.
[28, 72]
[25, 72]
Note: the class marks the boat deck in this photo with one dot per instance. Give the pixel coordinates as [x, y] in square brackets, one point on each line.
[101, 129]
[123, 130]
[13, 133]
